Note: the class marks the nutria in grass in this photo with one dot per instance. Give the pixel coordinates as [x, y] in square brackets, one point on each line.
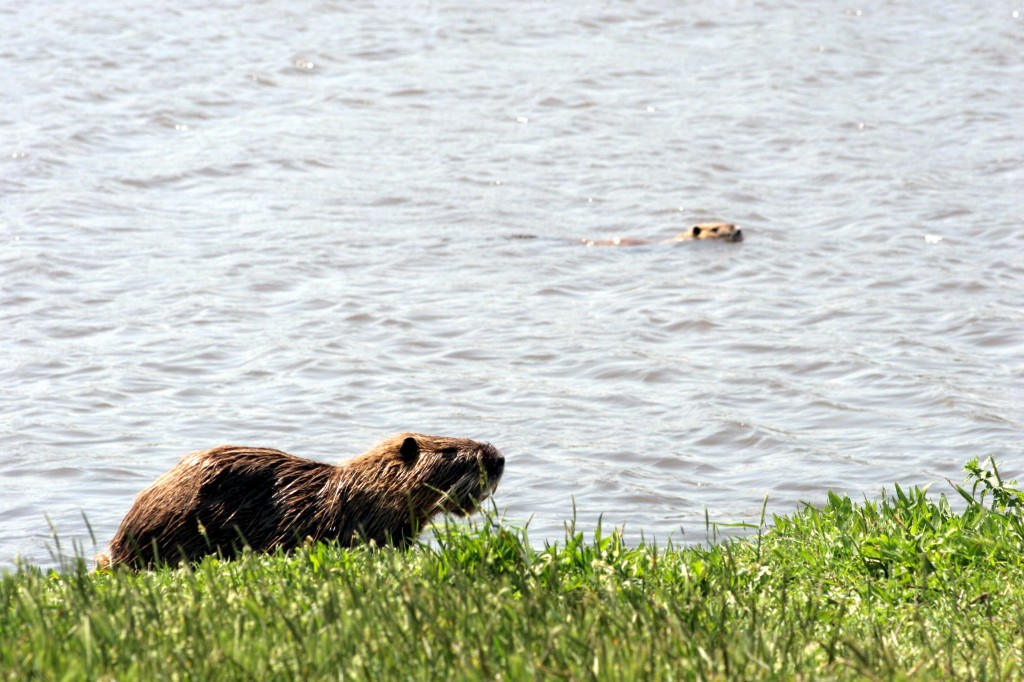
[221, 500]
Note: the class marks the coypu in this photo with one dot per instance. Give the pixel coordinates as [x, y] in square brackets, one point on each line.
[220, 500]
[724, 231]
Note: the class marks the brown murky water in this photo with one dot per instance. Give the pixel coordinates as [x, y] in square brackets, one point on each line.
[285, 224]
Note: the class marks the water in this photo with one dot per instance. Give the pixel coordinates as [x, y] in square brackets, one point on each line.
[285, 224]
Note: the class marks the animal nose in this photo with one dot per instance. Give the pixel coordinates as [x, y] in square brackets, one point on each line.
[737, 236]
[495, 466]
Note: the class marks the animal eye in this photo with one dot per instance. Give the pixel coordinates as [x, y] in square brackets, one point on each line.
[448, 452]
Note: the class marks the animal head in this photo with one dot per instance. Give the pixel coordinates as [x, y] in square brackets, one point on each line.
[440, 474]
[726, 231]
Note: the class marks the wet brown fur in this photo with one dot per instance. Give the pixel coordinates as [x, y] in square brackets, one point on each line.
[724, 231]
[212, 499]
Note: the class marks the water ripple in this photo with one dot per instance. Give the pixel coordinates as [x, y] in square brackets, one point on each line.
[209, 235]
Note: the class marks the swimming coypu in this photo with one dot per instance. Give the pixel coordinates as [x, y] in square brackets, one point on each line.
[724, 231]
[222, 499]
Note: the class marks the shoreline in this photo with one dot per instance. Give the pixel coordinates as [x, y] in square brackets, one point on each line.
[899, 587]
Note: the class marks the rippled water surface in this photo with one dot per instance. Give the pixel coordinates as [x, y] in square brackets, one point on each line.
[287, 224]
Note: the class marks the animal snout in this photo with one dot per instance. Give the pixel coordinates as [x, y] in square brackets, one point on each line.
[493, 462]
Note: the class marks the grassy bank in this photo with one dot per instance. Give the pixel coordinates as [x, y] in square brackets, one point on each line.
[902, 587]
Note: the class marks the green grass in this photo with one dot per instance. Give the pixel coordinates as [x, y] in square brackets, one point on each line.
[903, 587]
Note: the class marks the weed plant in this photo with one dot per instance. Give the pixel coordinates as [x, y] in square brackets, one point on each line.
[903, 587]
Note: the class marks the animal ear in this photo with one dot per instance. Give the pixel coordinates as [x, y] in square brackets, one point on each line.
[410, 450]
[695, 231]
